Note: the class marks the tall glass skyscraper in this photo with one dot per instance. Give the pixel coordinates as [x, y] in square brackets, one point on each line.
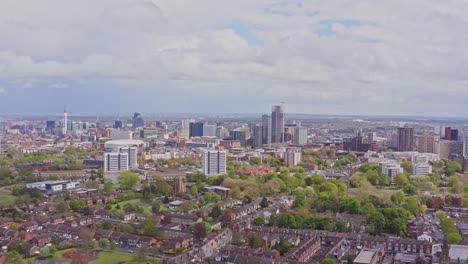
[277, 124]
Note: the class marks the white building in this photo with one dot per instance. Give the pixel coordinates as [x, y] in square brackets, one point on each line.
[209, 130]
[214, 162]
[422, 169]
[115, 162]
[391, 169]
[121, 134]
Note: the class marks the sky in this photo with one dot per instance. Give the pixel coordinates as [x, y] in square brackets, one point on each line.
[356, 57]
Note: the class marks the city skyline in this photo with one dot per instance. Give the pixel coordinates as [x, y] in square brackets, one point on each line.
[328, 57]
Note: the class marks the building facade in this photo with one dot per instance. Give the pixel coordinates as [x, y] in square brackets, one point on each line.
[214, 162]
[405, 139]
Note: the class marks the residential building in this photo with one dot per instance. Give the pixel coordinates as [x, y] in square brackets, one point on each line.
[258, 136]
[427, 144]
[266, 124]
[214, 162]
[115, 162]
[292, 157]
[121, 160]
[405, 139]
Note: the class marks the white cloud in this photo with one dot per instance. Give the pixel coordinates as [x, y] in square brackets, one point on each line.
[373, 52]
[2, 90]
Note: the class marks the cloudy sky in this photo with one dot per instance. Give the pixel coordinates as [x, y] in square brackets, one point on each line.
[395, 57]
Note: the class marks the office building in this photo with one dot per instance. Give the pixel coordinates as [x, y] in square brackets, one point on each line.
[214, 162]
[196, 129]
[222, 132]
[209, 130]
[391, 170]
[371, 137]
[50, 125]
[137, 120]
[292, 157]
[300, 135]
[422, 169]
[266, 124]
[65, 122]
[450, 147]
[427, 144]
[405, 139]
[238, 135]
[451, 134]
[121, 134]
[118, 124]
[277, 124]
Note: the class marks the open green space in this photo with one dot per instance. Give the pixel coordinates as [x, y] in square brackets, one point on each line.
[136, 201]
[107, 257]
[6, 198]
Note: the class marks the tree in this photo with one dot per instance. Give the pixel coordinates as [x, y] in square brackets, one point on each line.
[128, 180]
[407, 166]
[401, 179]
[235, 192]
[87, 236]
[259, 221]
[452, 167]
[148, 228]
[112, 245]
[440, 214]
[255, 242]
[155, 206]
[194, 190]
[199, 231]
[104, 243]
[409, 189]
[283, 246]
[215, 212]
[166, 200]
[376, 223]
[412, 204]
[108, 186]
[107, 225]
[454, 237]
[264, 203]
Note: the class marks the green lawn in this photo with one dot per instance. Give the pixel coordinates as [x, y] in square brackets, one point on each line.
[137, 201]
[108, 257]
[6, 198]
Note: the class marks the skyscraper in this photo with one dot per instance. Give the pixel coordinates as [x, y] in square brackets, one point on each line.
[137, 120]
[50, 125]
[258, 136]
[196, 129]
[451, 134]
[214, 162]
[277, 124]
[266, 124]
[405, 139]
[65, 121]
[118, 124]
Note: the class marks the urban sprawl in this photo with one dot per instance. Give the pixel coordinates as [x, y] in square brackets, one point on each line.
[272, 188]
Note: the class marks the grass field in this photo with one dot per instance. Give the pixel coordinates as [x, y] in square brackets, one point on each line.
[111, 257]
[137, 201]
[5, 196]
